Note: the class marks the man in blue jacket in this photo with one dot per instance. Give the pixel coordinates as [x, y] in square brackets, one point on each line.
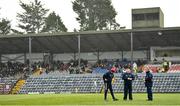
[128, 77]
[149, 83]
[108, 78]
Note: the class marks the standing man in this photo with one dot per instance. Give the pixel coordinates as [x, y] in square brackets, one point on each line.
[108, 78]
[149, 83]
[128, 77]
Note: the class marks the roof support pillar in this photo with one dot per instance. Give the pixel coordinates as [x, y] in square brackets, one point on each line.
[30, 53]
[98, 55]
[0, 58]
[122, 55]
[74, 56]
[131, 48]
[25, 58]
[51, 59]
[79, 53]
[148, 54]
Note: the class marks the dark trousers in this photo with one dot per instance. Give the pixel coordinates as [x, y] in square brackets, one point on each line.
[128, 89]
[149, 93]
[106, 87]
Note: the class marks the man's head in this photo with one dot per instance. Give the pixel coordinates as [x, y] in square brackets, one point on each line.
[146, 69]
[128, 70]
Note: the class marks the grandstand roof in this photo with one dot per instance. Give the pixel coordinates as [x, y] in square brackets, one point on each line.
[116, 40]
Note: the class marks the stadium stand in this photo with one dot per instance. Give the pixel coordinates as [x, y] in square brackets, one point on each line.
[6, 84]
[175, 68]
[92, 83]
[10, 69]
[153, 67]
[99, 70]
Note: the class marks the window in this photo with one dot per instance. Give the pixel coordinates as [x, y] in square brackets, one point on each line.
[137, 17]
[152, 16]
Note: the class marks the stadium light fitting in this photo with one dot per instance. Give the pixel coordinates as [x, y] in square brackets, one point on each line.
[159, 33]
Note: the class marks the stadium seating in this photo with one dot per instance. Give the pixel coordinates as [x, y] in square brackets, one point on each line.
[153, 67]
[92, 83]
[99, 70]
[175, 68]
[6, 85]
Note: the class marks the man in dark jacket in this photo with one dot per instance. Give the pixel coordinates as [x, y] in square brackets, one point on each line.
[149, 83]
[128, 77]
[108, 78]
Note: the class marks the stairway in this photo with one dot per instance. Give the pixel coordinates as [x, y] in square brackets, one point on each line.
[18, 86]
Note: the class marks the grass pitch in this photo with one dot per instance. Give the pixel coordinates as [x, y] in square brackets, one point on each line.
[89, 99]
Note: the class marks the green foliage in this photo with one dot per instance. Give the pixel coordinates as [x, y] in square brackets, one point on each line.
[53, 23]
[16, 31]
[95, 14]
[5, 26]
[32, 19]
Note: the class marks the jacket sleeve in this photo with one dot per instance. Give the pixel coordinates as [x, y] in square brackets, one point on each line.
[124, 76]
[133, 77]
[104, 77]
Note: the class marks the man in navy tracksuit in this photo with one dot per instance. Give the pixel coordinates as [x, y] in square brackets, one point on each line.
[107, 78]
[128, 77]
[149, 84]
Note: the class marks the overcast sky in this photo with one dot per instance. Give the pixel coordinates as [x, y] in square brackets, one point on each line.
[170, 8]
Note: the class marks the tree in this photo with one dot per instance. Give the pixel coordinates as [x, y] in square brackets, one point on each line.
[15, 31]
[5, 26]
[95, 14]
[32, 19]
[53, 23]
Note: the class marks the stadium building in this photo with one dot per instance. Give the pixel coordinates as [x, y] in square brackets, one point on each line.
[49, 62]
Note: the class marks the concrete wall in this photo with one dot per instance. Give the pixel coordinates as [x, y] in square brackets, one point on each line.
[145, 23]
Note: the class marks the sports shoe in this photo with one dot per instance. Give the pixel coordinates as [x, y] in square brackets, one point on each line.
[124, 99]
[115, 99]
